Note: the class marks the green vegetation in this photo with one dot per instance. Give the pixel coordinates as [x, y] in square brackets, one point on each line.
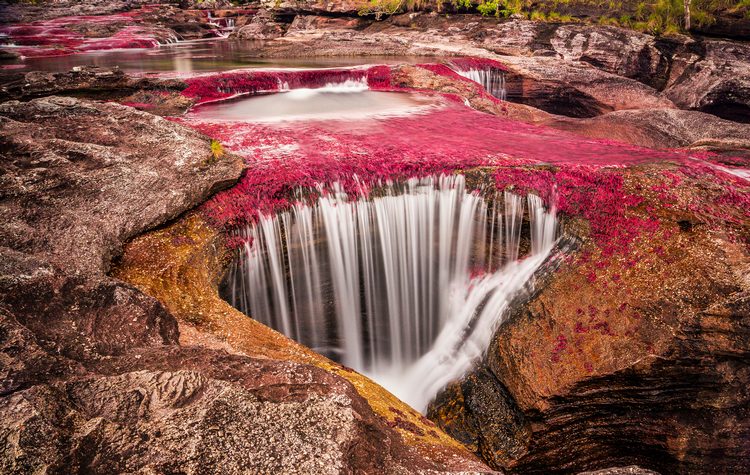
[217, 150]
[660, 17]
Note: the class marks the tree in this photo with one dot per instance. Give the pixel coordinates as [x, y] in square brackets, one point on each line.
[686, 4]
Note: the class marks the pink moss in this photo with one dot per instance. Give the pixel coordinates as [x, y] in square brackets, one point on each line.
[212, 87]
[58, 37]
[581, 177]
[467, 63]
[560, 347]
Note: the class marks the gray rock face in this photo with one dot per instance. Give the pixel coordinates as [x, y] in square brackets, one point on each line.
[75, 173]
[713, 77]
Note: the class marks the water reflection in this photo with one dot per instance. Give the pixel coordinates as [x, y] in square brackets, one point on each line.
[348, 100]
[192, 56]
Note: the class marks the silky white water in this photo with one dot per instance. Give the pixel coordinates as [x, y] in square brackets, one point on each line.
[407, 288]
[348, 100]
[491, 79]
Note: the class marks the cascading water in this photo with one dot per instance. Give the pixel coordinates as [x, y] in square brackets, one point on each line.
[407, 288]
[491, 79]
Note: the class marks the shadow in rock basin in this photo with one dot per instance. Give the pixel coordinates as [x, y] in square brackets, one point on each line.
[407, 287]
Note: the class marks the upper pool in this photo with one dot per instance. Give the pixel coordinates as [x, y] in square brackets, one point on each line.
[194, 56]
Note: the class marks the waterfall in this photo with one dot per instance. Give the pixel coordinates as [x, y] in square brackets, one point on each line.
[491, 79]
[406, 287]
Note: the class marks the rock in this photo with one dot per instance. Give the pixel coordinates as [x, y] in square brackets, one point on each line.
[727, 24]
[631, 470]
[661, 128]
[575, 89]
[17, 12]
[713, 77]
[519, 38]
[607, 368]
[616, 50]
[263, 26]
[94, 378]
[95, 167]
[350, 7]
[86, 80]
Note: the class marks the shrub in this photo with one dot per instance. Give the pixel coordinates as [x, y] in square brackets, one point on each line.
[217, 150]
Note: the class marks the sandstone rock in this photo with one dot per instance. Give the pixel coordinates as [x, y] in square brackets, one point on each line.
[607, 368]
[94, 165]
[351, 7]
[631, 470]
[94, 379]
[575, 89]
[713, 77]
[92, 81]
[623, 52]
[662, 128]
[263, 26]
[519, 38]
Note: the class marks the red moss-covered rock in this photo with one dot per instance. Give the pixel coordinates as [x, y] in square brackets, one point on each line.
[67, 35]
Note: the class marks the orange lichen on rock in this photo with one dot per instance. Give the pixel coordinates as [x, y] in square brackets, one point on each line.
[181, 266]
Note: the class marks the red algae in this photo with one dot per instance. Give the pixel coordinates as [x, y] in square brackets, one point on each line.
[582, 177]
[212, 87]
[466, 63]
[59, 36]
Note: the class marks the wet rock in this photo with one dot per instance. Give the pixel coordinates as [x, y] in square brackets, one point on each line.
[713, 77]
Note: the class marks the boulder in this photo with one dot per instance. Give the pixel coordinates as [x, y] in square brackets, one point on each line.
[263, 26]
[601, 366]
[96, 166]
[94, 376]
[713, 77]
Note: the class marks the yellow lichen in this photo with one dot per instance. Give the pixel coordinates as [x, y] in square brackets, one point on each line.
[181, 266]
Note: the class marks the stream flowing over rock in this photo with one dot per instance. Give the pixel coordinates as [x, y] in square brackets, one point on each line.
[94, 379]
[291, 237]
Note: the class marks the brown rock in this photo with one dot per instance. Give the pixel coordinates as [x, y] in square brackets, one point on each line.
[713, 77]
[83, 81]
[94, 379]
[263, 26]
[608, 368]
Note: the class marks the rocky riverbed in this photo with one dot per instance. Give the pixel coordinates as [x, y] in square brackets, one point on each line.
[627, 352]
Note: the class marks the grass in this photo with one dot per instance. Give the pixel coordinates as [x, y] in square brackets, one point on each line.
[659, 17]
